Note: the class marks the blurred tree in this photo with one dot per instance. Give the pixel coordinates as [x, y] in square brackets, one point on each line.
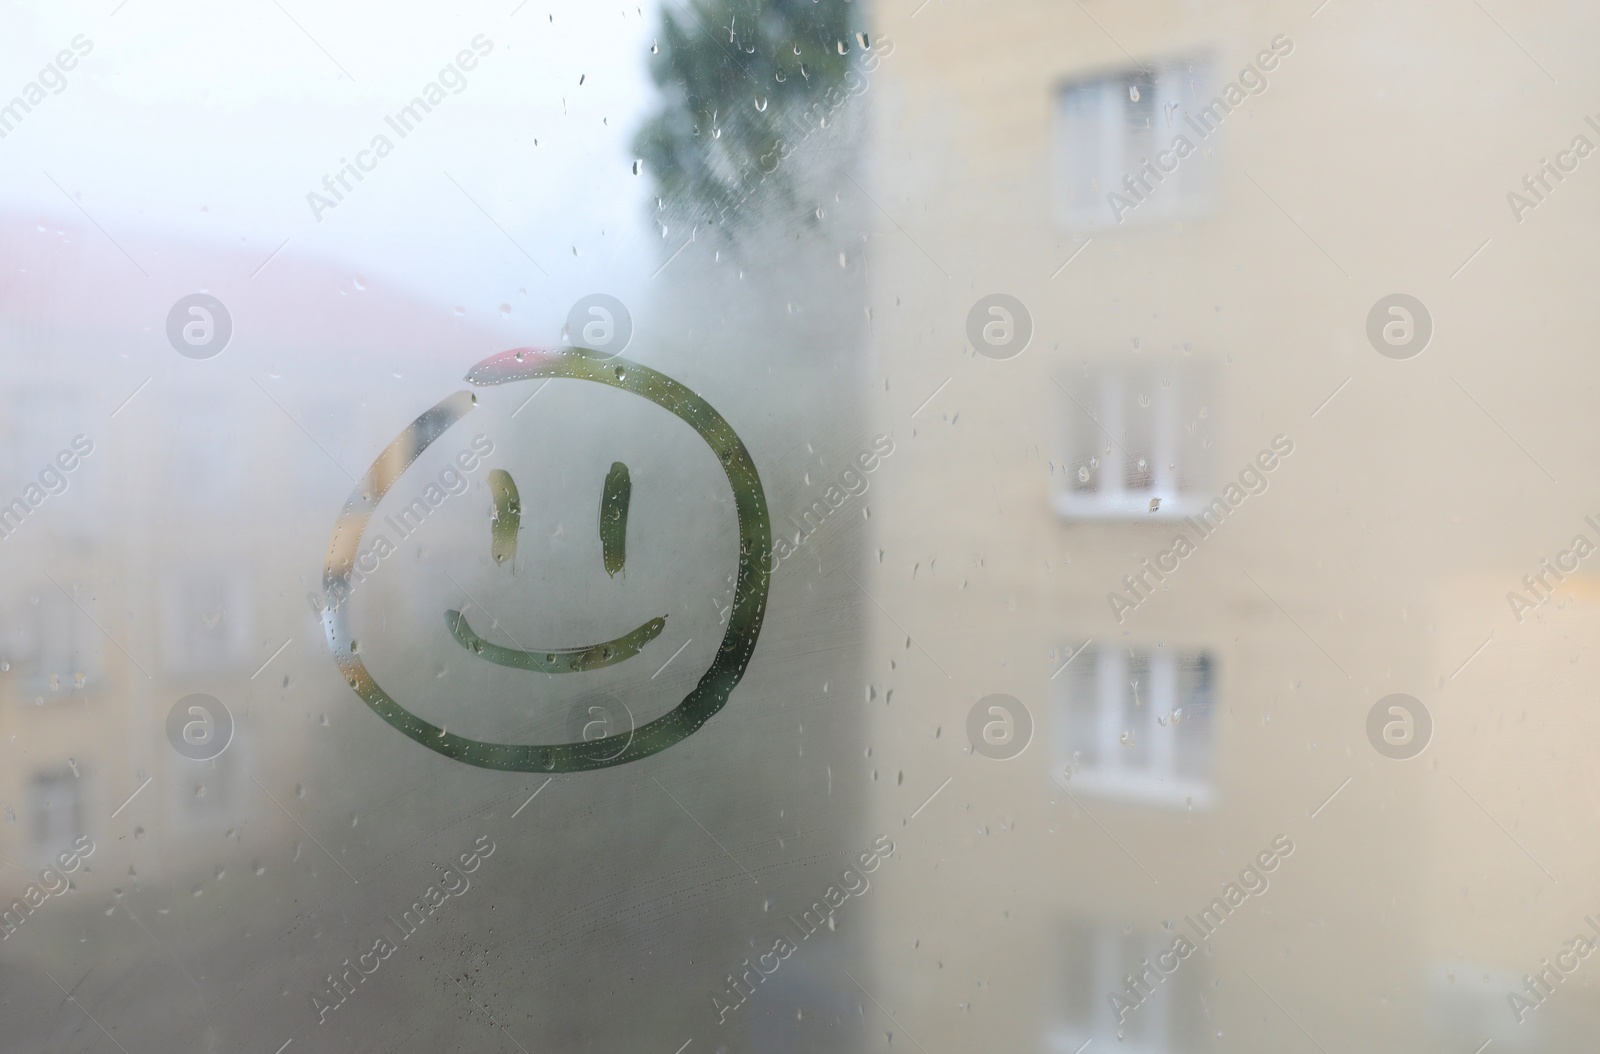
[745, 81]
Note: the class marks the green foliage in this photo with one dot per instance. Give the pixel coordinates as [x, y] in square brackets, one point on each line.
[742, 80]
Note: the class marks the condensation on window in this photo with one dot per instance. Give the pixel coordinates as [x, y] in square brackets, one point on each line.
[796, 525]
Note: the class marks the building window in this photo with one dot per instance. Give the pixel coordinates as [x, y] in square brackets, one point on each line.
[210, 463]
[1136, 723]
[1116, 158]
[1130, 985]
[56, 803]
[1133, 441]
[63, 648]
[208, 622]
[209, 794]
[1467, 1005]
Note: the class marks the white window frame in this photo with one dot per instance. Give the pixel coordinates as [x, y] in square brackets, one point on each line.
[44, 844]
[226, 775]
[1468, 999]
[209, 454]
[53, 616]
[178, 630]
[1155, 781]
[1108, 966]
[1113, 150]
[1172, 462]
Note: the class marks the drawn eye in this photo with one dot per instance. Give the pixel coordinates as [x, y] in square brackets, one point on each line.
[504, 524]
[614, 517]
[506, 520]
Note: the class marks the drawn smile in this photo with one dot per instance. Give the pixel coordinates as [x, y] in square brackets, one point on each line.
[504, 525]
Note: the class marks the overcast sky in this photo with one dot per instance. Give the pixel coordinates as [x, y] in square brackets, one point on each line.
[213, 122]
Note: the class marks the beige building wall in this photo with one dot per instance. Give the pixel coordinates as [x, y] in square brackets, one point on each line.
[1376, 160]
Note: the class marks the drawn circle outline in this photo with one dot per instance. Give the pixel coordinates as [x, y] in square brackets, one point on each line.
[709, 695]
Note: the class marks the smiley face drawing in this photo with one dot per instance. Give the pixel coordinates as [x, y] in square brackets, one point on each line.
[745, 616]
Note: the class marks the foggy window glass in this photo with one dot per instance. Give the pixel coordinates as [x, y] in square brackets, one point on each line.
[797, 526]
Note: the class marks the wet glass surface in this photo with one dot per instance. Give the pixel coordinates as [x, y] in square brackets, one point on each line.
[797, 526]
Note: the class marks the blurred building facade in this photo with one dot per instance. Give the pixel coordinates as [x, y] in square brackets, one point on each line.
[164, 520]
[1197, 526]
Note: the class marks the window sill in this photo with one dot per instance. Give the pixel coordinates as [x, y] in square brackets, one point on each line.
[1140, 788]
[1129, 505]
[1071, 1041]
